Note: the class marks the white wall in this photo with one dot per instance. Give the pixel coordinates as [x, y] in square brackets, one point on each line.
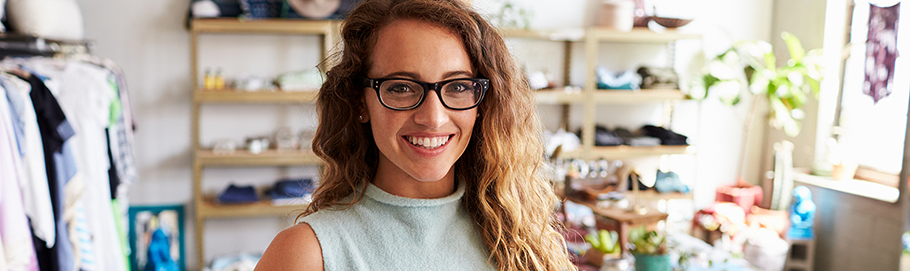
[148, 40]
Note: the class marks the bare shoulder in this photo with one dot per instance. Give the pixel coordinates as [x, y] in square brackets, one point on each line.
[295, 248]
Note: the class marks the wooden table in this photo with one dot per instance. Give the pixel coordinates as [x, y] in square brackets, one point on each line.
[623, 219]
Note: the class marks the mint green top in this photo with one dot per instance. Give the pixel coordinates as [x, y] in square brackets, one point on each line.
[388, 232]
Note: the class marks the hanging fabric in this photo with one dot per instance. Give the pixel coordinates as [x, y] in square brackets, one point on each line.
[881, 51]
[16, 248]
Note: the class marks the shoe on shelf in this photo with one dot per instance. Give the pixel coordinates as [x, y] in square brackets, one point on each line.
[666, 137]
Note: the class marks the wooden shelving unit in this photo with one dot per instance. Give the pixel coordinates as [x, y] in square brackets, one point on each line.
[590, 97]
[264, 96]
[637, 96]
[242, 158]
[203, 158]
[210, 209]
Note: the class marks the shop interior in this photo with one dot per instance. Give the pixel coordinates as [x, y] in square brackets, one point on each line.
[680, 134]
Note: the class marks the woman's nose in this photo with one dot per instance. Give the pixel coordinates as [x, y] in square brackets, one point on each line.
[431, 113]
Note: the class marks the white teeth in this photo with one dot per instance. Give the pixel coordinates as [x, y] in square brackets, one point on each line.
[428, 142]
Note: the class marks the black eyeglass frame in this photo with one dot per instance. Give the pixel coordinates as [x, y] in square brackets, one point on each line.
[436, 87]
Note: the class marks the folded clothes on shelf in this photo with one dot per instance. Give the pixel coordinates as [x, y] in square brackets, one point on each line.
[292, 188]
[605, 137]
[628, 80]
[667, 137]
[292, 191]
[235, 194]
[669, 182]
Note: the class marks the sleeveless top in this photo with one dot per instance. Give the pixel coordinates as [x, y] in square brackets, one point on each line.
[388, 232]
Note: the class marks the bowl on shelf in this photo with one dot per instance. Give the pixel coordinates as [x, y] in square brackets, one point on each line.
[670, 22]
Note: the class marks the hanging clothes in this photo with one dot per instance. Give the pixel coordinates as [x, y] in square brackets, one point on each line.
[33, 176]
[55, 131]
[85, 96]
[16, 249]
[881, 51]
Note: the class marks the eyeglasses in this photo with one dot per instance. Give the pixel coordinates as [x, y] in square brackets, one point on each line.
[405, 94]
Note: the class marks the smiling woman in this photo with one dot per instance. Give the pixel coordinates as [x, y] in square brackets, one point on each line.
[432, 150]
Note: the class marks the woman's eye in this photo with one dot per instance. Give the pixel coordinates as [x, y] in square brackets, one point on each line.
[399, 88]
[458, 87]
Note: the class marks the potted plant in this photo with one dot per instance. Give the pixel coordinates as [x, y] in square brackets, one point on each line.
[604, 244]
[649, 249]
[781, 90]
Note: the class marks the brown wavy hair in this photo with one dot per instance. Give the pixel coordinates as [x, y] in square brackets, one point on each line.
[506, 196]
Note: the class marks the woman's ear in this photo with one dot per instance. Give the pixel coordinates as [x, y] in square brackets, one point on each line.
[364, 116]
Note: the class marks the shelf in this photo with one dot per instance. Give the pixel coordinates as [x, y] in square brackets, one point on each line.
[240, 96]
[637, 35]
[570, 34]
[266, 158]
[625, 152]
[209, 209]
[280, 26]
[558, 96]
[654, 195]
[637, 96]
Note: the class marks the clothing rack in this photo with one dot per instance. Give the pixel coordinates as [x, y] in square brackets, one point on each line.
[12, 44]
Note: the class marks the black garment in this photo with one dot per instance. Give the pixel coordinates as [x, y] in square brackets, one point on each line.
[50, 118]
[112, 172]
[605, 137]
[667, 137]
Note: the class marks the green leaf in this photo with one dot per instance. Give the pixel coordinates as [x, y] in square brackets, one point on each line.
[595, 242]
[794, 46]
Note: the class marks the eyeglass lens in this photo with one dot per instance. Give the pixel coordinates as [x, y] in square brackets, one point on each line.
[455, 94]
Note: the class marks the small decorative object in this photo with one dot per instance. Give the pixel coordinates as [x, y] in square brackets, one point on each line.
[658, 78]
[670, 22]
[257, 145]
[208, 81]
[253, 83]
[766, 250]
[538, 80]
[604, 244]
[50, 19]
[156, 237]
[802, 214]
[305, 80]
[641, 15]
[224, 147]
[306, 139]
[285, 139]
[219, 79]
[512, 15]
[259, 9]
[205, 9]
[616, 14]
[649, 250]
[315, 9]
[627, 80]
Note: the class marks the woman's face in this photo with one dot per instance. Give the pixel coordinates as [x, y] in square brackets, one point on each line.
[420, 144]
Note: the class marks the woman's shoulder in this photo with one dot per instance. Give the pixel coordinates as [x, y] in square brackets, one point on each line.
[295, 248]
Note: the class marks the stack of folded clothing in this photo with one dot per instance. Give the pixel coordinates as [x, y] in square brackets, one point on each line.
[666, 137]
[292, 191]
[622, 136]
[235, 194]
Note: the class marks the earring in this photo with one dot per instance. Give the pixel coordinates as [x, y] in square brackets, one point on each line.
[360, 118]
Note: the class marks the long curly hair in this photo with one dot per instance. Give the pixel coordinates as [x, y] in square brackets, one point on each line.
[509, 201]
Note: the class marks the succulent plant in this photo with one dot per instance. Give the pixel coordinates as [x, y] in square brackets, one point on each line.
[647, 242]
[607, 242]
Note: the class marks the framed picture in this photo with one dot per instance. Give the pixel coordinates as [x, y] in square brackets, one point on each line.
[158, 229]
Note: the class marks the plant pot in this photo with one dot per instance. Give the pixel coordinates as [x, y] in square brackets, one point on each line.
[652, 262]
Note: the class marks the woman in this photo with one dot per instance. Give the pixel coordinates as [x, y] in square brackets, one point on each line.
[432, 152]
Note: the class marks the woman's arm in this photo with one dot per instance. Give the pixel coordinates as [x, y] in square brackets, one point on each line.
[295, 248]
